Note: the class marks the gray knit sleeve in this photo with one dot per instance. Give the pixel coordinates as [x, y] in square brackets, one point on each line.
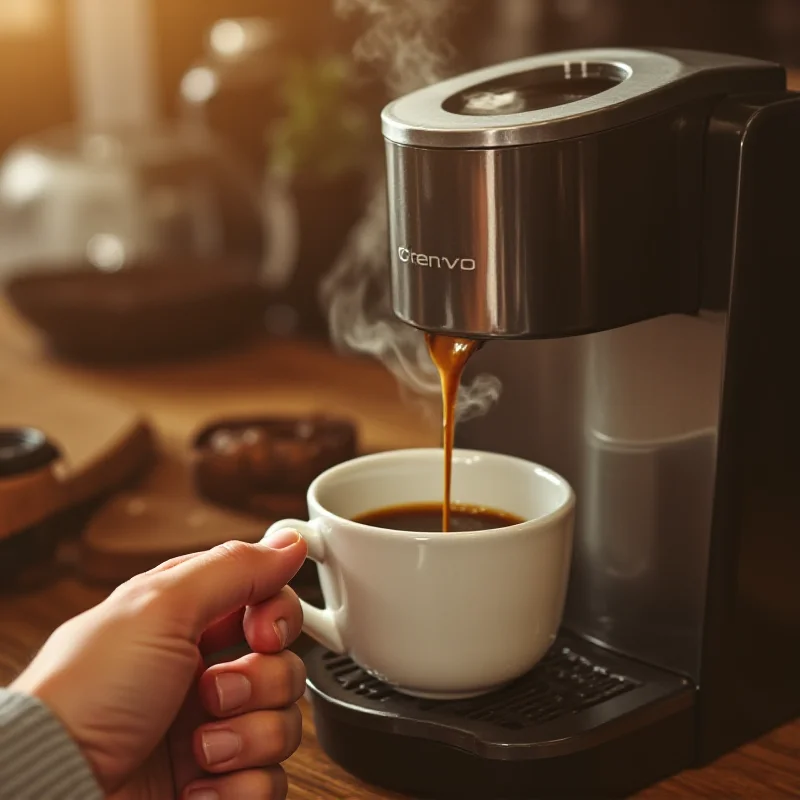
[38, 760]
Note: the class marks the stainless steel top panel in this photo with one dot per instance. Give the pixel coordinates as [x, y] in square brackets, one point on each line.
[563, 95]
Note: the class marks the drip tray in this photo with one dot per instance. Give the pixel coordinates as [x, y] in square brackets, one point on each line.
[577, 697]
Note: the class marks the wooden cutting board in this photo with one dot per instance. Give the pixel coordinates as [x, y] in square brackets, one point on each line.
[138, 530]
[103, 444]
[161, 518]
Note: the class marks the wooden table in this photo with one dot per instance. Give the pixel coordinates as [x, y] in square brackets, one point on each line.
[291, 377]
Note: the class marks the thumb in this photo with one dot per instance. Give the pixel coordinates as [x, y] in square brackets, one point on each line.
[233, 575]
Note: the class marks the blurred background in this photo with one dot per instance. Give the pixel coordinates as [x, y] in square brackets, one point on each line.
[234, 141]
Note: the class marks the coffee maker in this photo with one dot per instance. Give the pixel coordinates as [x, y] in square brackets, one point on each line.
[618, 225]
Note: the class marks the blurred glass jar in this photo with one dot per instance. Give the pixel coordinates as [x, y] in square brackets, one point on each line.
[136, 244]
[235, 87]
[299, 122]
[236, 91]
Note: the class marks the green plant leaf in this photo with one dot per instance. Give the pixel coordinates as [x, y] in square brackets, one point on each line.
[323, 131]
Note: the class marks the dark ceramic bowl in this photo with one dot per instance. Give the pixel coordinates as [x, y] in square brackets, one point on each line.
[146, 311]
[264, 466]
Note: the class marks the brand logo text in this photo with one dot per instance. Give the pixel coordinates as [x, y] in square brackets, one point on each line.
[408, 256]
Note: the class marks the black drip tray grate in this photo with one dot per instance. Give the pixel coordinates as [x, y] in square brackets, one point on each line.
[576, 688]
[564, 682]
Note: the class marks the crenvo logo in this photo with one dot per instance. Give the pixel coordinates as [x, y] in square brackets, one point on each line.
[437, 262]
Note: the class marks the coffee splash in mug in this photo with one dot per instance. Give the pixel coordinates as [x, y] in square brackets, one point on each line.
[424, 517]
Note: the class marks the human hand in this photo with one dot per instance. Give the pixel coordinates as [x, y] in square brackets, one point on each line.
[128, 680]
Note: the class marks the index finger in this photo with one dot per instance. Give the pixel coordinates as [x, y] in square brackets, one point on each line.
[232, 576]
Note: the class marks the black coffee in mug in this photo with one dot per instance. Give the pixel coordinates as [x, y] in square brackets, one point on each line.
[427, 518]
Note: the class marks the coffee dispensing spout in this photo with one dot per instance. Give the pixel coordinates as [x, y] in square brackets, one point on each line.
[556, 195]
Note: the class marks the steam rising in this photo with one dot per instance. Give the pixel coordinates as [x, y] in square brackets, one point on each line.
[405, 38]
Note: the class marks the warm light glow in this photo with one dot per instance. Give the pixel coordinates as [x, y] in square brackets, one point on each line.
[228, 38]
[24, 16]
[233, 39]
[106, 252]
[24, 177]
[199, 84]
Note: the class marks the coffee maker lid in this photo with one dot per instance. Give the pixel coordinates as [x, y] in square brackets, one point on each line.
[564, 95]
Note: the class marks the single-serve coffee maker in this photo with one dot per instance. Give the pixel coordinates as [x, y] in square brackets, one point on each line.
[621, 227]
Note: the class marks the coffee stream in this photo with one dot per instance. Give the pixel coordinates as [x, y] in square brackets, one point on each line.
[450, 355]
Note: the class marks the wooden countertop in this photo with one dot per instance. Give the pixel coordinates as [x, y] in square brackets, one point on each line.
[298, 378]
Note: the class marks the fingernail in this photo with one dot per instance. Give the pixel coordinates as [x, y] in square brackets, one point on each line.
[203, 794]
[282, 631]
[220, 745]
[233, 690]
[280, 540]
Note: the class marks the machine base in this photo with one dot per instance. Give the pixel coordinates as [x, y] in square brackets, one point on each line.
[584, 723]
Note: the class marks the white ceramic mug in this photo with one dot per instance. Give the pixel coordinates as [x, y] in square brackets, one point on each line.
[439, 615]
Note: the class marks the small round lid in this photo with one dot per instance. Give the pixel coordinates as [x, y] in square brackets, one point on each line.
[24, 450]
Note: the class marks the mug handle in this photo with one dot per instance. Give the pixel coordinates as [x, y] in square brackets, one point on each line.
[318, 623]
